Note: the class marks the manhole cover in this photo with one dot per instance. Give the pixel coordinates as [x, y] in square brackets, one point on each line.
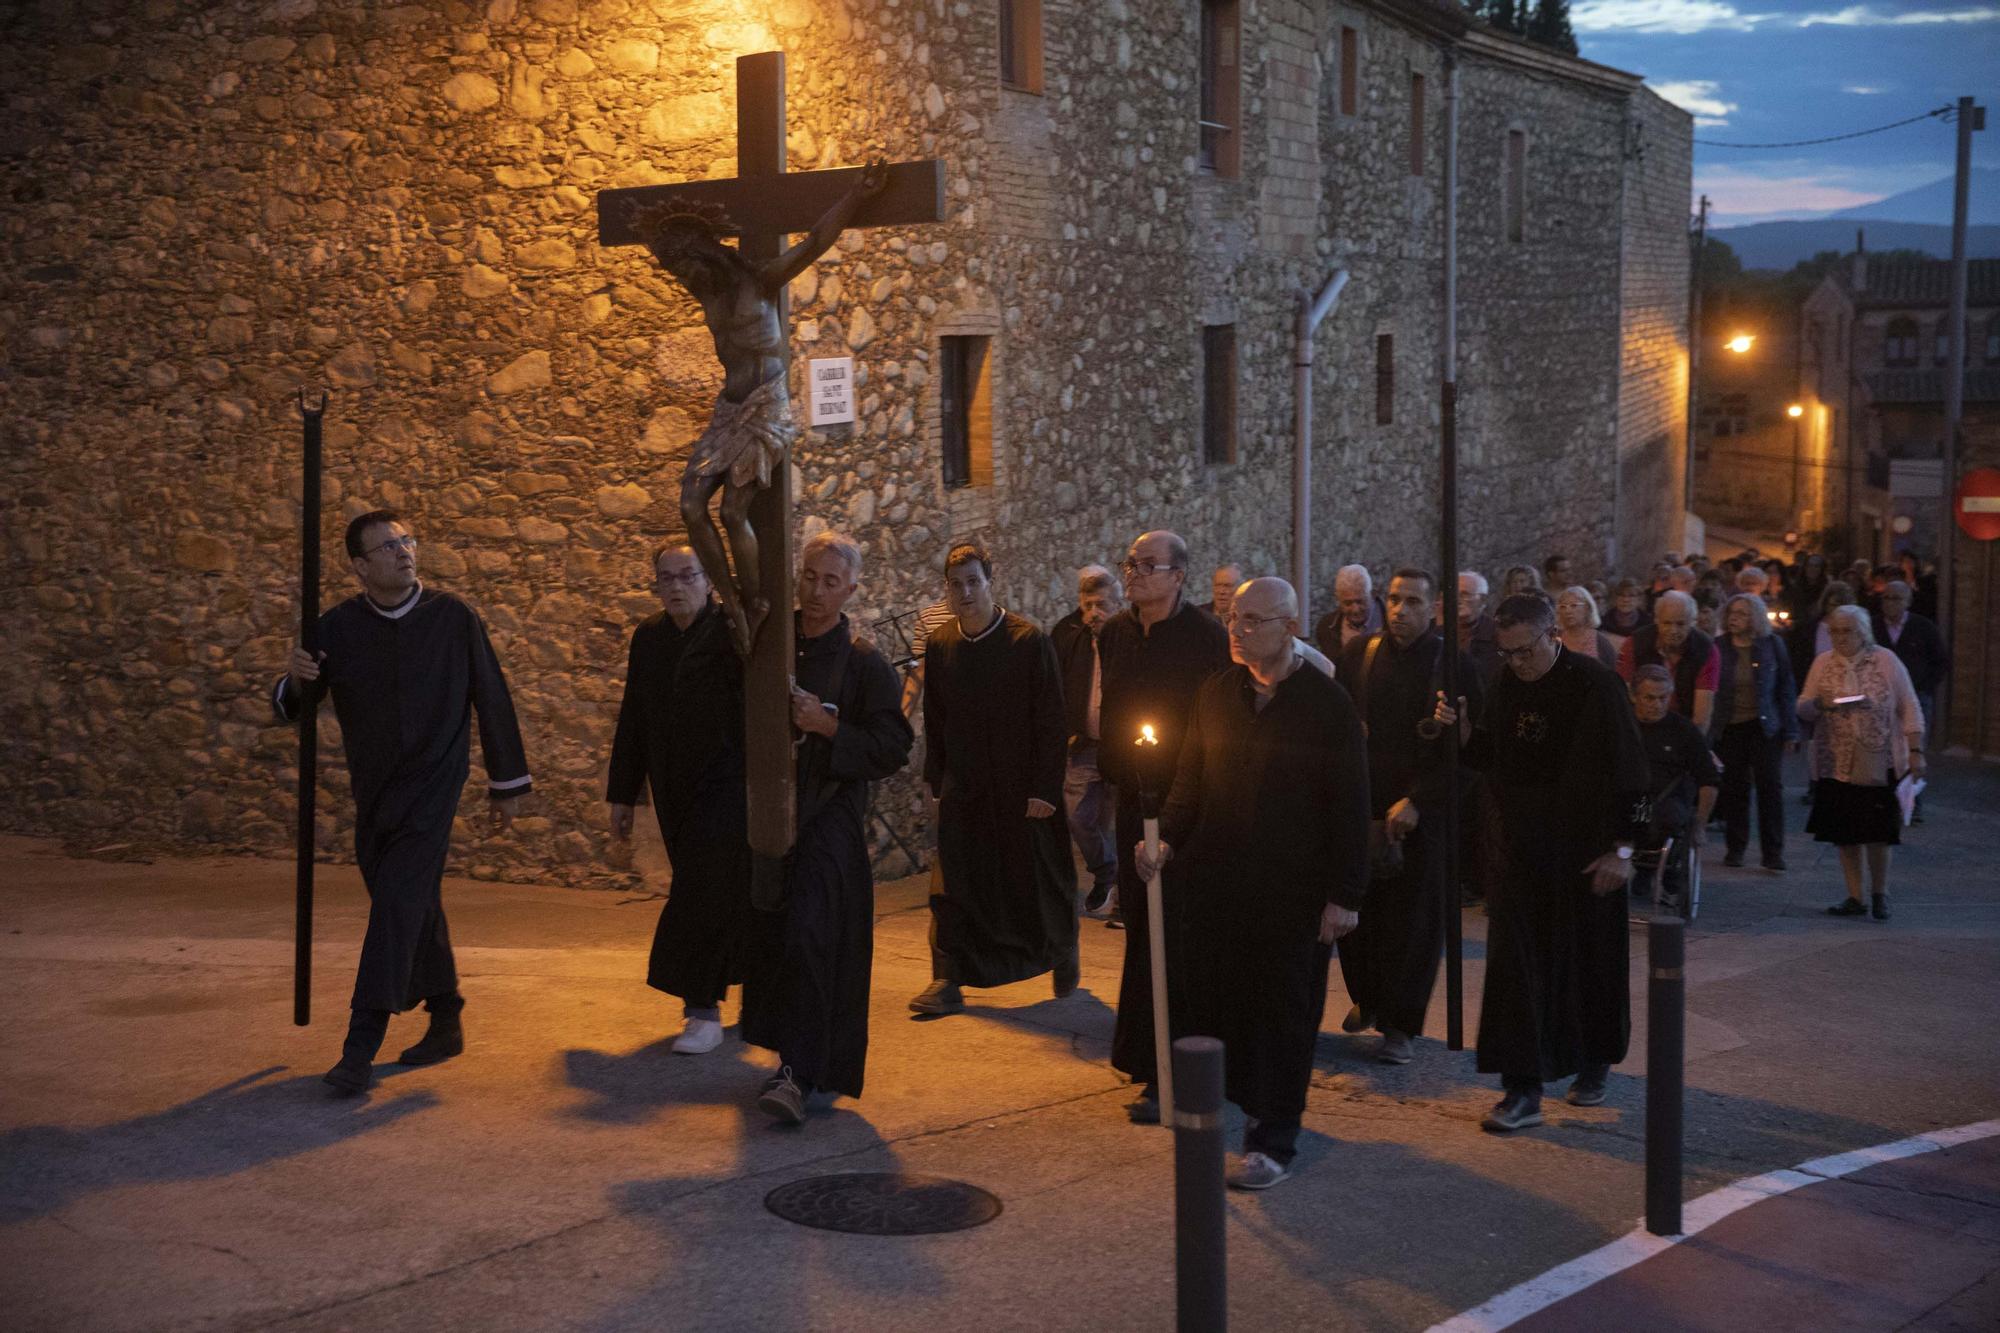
[883, 1204]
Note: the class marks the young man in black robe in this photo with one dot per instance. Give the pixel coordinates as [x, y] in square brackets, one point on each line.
[1568, 772]
[1003, 907]
[806, 992]
[1390, 961]
[1268, 823]
[680, 732]
[1155, 654]
[408, 667]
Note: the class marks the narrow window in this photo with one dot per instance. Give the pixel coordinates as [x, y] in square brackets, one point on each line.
[1221, 89]
[1385, 379]
[1021, 44]
[1516, 173]
[1218, 393]
[1350, 71]
[1899, 347]
[965, 412]
[1941, 343]
[1993, 341]
[1416, 124]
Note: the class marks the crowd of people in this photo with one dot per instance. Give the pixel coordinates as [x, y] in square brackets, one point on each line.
[1300, 778]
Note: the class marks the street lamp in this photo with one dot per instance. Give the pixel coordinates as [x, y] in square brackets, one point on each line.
[1741, 343]
[1795, 411]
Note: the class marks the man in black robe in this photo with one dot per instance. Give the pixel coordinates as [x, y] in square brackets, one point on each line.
[1003, 905]
[1390, 961]
[1268, 823]
[806, 992]
[1155, 655]
[1567, 770]
[680, 732]
[408, 667]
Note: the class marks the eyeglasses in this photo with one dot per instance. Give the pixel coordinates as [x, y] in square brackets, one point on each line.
[1132, 568]
[402, 543]
[1518, 654]
[1249, 624]
[685, 576]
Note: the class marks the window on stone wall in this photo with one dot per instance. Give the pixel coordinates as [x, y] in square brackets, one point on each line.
[1221, 89]
[1350, 72]
[1940, 344]
[1021, 44]
[1385, 379]
[965, 411]
[1218, 393]
[1514, 203]
[1416, 124]
[1899, 344]
[1993, 341]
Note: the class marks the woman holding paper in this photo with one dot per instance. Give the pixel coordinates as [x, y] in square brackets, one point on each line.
[1870, 736]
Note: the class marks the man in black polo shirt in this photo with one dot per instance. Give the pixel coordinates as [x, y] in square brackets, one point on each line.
[1684, 779]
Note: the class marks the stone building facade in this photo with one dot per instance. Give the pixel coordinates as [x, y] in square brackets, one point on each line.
[211, 204]
[1875, 351]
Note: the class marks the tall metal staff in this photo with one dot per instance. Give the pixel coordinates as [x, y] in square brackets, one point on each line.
[309, 507]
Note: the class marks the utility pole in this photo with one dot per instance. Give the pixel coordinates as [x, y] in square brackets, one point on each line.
[1694, 362]
[1969, 117]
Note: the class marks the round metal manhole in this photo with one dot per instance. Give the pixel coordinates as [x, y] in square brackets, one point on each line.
[883, 1203]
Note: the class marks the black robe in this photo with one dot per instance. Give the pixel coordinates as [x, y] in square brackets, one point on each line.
[1567, 770]
[1004, 902]
[806, 992]
[680, 732]
[1148, 676]
[406, 682]
[1268, 819]
[1390, 961]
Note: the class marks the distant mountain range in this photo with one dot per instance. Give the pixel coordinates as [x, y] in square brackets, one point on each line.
[1779, 245]
[1918, 219]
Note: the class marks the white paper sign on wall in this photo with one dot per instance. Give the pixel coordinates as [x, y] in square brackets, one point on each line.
[830, 389]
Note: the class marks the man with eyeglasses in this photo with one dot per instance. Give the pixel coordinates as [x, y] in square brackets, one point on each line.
[680, 734]
[1267, 827]
[1155, 655]
[408, 667]
[1390, 961]
[1003, 900]
[1559, 746]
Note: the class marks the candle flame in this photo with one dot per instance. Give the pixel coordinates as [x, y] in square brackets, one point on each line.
[1146, 736]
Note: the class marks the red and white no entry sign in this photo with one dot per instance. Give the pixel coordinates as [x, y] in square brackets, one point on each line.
[1977, 504]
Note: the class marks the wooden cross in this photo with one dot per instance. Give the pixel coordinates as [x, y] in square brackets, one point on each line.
[765, 203]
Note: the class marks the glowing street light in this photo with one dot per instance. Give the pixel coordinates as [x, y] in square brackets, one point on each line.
[1795, 411]
[1741, 343]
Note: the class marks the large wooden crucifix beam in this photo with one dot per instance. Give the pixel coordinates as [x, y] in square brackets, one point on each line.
[764, 204]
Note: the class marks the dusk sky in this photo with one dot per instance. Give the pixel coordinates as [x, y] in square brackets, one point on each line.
[1774, 70]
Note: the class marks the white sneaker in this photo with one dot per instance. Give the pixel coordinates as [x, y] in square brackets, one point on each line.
[1255, 1171]
[701, 1036]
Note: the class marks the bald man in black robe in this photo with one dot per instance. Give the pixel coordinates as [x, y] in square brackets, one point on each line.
[408, 668]
[1567, 768]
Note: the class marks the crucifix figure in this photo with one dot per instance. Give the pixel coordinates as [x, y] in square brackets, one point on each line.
[745, 451]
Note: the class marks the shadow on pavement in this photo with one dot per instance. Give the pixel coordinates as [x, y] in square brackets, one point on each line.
[246, 1123]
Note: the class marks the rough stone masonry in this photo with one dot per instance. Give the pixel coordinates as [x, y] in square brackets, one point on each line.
[210, 204]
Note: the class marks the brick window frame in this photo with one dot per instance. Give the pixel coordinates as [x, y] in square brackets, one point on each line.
[1219, 106]
[1021, 45]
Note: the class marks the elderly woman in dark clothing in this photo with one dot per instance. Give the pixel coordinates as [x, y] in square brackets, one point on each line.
[1751, 727]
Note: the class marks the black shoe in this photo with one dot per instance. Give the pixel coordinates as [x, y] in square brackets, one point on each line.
[1588, 1089]
[1100, 894]
[443, 1039]
[1881, 909]
[1775, 864]
[356, 1070]
[1145, 1108]
[1068, 975]
[1517, 1110]
[1733, 859]
[940, 997]
[1847, 907]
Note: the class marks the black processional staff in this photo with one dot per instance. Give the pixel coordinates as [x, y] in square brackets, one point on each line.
[309, 507]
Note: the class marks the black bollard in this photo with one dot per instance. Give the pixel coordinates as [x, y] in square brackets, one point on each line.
[1200, 1249]
[1666, 1046]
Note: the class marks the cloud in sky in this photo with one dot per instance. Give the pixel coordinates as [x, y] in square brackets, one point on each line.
[1699, 96]
[1691, 16]
[1863, 90]
[1738, 195]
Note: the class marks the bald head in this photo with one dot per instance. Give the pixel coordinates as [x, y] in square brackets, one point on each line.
[1268, 596]
[1264, 623]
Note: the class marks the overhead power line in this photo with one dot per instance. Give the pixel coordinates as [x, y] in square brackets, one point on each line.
[1944, 111]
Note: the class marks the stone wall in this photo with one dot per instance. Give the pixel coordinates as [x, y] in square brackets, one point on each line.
[214, 203]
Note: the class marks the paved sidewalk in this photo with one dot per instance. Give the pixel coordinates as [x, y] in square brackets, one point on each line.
[168, 1160]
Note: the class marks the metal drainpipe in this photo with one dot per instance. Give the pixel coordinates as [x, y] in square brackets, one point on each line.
[1311, 312]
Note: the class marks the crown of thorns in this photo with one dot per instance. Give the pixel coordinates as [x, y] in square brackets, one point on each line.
[655, 222]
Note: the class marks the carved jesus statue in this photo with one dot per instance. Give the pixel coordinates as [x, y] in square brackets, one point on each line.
[751, 429]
